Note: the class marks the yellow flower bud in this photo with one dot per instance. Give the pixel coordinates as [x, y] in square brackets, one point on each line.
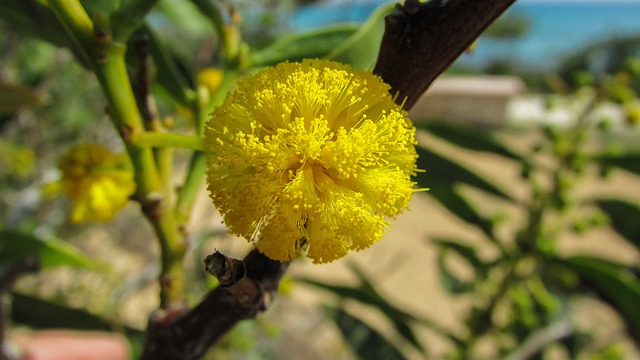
[97, 181]
[632, 110]
[210, 78]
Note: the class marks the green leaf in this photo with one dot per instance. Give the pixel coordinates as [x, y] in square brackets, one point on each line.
[44, 314]
[103, 6]
[450, 282]
[398, 318]
[615, 284]
[361, 295]
[624, 218]
[177, 84]
[459, 205]
[472, 138]
[51, 253]
[464, 251]
[316, 43]
[629, 162]
[441, 176]
[127, 16]
[441, 169]
[366, 342]
[14, 98]
[33, 18]
[366, 293]
[360, 50]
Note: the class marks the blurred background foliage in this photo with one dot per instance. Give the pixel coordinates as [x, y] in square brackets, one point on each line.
[527, 293]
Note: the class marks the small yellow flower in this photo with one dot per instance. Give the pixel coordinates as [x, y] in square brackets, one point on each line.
[309, 158]
[210, 78]
[98, 182]
[632, 110]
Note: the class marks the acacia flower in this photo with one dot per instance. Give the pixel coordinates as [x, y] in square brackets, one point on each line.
[98, 182]
[310, 158]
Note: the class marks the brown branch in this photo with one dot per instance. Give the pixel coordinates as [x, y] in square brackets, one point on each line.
[142, 83]
[246, 289]
[421, 40]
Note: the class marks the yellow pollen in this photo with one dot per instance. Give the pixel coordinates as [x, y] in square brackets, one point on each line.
[310, 153]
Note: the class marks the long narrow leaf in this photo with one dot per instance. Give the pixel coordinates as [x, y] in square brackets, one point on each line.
[101, 6]
[458, 205]
[33, 18]
[44, 314]
[615, 284]
[366, 342]
[441, 176]
[470, 138]
[53, 252]
[311, 44]
[464, 251]
[367, 295]
[398, 318]
[628, 162]
[624, 218]
[449, 281]
[177, 84]
[360, 50]
[443, 170]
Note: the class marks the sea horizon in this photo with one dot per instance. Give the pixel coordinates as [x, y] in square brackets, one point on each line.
[558, 27]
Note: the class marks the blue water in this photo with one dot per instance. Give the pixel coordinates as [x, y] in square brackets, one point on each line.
[556, 28]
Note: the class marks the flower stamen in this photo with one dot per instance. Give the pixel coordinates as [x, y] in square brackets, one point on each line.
[309, 158]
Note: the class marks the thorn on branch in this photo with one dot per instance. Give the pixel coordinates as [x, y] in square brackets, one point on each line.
[142, 83]
[231, 273]
[151, 204]
[246, 288]
[227, 270]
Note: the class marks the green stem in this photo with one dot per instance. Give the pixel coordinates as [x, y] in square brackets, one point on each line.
[77, 23]
[479, 327]
[112, 75]
[203, 111]
[188, 192]
[172, 250]
[107, 59]
[165, 158]
[212, 12]
[163, 139]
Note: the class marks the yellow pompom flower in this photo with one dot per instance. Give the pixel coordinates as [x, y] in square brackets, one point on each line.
[310, 158]
[98, 182]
